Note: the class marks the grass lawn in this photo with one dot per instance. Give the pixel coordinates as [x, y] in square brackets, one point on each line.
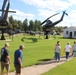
[36, 49]
[67, 68]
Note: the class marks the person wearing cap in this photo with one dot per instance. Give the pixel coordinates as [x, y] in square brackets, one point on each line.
[18, 59]
[57, 52]
[5, 59]
[67, 50]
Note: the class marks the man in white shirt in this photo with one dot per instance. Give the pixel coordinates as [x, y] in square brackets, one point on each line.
[67, 50]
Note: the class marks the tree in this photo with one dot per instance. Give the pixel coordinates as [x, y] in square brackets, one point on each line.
[25, 25]
[31, 25]
[20, 26]
[11, 21]
[15, 24]
[37, 26]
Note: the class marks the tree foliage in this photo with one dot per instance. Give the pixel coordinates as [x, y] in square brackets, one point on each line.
[30, 25]
[25, 25]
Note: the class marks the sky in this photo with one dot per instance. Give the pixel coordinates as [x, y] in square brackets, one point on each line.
[42, 9]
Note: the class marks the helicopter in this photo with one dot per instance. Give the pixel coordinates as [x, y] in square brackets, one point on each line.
[3, 18]
[48, 23]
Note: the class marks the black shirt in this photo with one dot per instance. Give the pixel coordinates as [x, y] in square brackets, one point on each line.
[4, 54]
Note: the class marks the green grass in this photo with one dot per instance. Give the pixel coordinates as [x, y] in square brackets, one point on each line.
[36, 49]
[67, 68]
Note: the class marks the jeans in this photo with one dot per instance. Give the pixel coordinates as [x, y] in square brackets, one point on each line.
[74, 53]
[67, 55]
[57, 55]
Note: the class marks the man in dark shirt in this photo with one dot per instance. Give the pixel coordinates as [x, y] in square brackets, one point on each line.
[18, 59]
[5, 59]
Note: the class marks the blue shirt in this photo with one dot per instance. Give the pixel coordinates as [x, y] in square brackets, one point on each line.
[17, 54]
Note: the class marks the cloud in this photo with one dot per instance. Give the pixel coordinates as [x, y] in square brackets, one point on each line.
[69, 20]
[46, 8]
[49, 4]
[72, 17]
[72, 1]
[39, 3]
[21, 15]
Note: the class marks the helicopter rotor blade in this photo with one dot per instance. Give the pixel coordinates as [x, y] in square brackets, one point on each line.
[3, 6]
[49, 18]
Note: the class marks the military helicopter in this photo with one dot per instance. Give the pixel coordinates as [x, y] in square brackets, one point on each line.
[3, 18]
[48, 23]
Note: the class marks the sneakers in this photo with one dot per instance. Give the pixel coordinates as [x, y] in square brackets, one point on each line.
[57, 60]
[66, 59]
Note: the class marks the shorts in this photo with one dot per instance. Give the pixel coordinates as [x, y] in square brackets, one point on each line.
[18, 68]
[5, 65]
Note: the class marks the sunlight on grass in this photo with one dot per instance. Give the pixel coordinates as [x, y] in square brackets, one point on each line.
[36, 48]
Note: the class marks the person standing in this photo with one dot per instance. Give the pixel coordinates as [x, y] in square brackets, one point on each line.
[58, 42]
[67, 50]
[54, 34]
[57, 52]
[5, 59]
[18, 59]
[55, 47]
[74, 49]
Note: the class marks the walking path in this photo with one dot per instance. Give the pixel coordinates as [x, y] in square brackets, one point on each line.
[41, 68]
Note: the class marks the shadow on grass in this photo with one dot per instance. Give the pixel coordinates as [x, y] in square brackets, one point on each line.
[45, 59]
[65, 38]
[49, 61]
[33, 40]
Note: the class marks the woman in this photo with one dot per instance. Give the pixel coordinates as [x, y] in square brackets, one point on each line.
[57, 52]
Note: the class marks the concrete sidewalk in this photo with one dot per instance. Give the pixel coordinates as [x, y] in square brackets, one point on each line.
[42, 67]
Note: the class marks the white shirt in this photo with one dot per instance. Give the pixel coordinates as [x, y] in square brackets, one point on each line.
[67, 48]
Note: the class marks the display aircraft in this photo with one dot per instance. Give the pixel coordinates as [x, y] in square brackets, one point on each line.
[3, 18]
[48, 23]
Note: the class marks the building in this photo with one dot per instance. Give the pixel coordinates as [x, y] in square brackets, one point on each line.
[69, 32]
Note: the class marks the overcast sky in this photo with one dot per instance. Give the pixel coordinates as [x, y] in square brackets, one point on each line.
[41, 9]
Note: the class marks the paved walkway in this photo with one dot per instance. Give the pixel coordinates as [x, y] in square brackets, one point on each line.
[41, 68]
